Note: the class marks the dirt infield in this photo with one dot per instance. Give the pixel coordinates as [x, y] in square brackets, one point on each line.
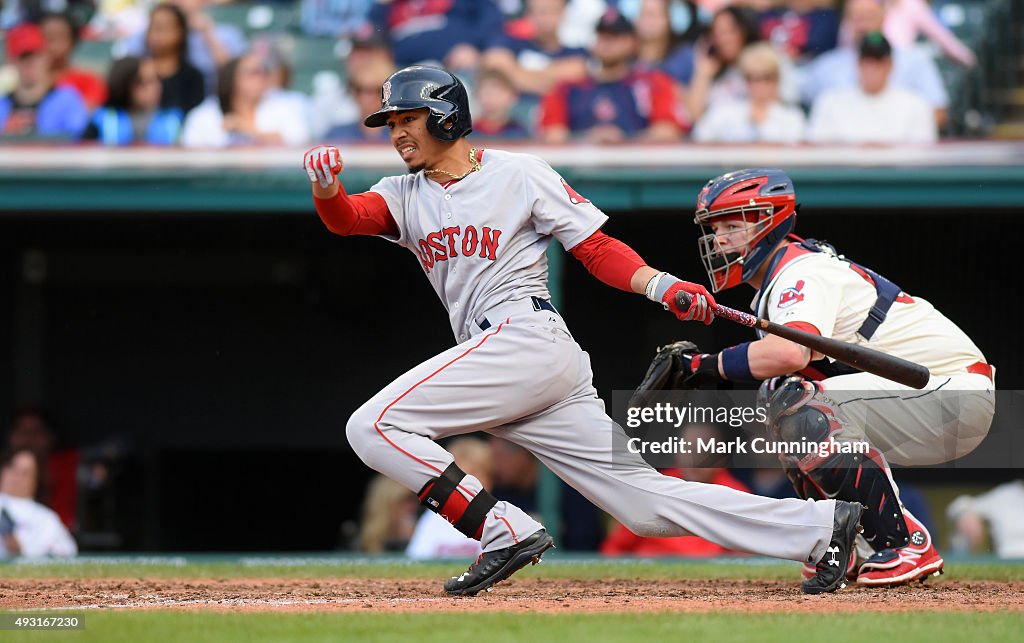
[535, 595]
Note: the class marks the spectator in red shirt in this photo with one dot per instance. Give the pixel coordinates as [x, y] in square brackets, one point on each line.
[61, 35]
[618, 100]
[695, 467]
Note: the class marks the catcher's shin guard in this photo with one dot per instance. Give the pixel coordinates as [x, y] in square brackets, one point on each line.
[864, 478]
[798, 410]
[442, 496]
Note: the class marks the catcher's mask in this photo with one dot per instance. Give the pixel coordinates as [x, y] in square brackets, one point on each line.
[764, 201]
[437, 90]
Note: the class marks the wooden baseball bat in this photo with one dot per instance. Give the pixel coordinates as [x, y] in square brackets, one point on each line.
[866, 359]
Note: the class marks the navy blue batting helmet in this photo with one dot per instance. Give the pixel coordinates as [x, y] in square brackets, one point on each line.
[417, 87]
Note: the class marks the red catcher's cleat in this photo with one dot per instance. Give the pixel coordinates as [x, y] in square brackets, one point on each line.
[916, 561]
[898, 566]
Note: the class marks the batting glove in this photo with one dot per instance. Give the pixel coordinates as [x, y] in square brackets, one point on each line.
[663, 288]
[322, 163]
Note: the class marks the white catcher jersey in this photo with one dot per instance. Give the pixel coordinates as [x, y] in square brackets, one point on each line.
[482, 241]
[820, 289]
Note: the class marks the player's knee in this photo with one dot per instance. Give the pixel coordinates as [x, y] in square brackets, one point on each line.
[361, 432]
[798, 411]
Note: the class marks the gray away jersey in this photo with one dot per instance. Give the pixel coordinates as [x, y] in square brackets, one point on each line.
[482, 241]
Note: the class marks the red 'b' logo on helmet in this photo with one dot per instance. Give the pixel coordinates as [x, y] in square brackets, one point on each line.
[702, 198]
[386, 91]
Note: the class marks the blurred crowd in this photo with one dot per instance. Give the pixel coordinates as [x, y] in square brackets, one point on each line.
[740, 71]
[55, 499]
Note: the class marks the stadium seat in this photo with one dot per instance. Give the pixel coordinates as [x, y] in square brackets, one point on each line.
[310, 56]
[94, 55]
[256, 18]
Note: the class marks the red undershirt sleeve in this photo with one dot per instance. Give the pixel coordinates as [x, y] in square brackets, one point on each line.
[363, 213]
[804, 326]
[807, 328]
[608, 259]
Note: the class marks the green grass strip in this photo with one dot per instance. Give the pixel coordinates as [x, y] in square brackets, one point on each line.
[156, 626]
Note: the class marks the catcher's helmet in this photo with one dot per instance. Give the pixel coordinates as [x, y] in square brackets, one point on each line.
[765, 199]
[418, 87]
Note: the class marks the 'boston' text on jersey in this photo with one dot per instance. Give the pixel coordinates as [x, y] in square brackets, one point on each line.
[448, 242]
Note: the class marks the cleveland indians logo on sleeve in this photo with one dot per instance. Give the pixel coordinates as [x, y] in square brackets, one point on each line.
[792, 295]
[575, 197]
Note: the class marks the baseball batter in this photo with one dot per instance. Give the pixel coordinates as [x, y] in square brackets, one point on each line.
[747, 218]
[479, 223]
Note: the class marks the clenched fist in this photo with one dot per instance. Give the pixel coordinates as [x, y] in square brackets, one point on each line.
[701, 302]
[322, 163]
[662, 288]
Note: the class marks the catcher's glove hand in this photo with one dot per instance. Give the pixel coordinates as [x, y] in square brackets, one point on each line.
[670, 370]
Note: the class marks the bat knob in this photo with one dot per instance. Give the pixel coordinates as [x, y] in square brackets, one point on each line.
[683, 300]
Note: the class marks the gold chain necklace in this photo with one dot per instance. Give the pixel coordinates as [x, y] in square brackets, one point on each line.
[455, 177]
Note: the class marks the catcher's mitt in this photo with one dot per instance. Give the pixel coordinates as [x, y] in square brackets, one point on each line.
[669, 371]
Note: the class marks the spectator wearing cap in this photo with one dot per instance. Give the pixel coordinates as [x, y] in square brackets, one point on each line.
[617, 100]
[452, 33]
[535, 65]
[38, 108]
[759, 118]
[61, 34]
[875, 111]
[905, 20]
[912, 69]
[132, 113]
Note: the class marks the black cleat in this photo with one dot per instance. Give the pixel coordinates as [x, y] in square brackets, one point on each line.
[831, 570]
[495, 566]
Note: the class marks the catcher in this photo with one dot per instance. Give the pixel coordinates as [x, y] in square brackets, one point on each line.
[747, 218]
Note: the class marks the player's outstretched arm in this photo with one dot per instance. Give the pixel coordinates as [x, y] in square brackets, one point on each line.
[344, 214]
[619, 266]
